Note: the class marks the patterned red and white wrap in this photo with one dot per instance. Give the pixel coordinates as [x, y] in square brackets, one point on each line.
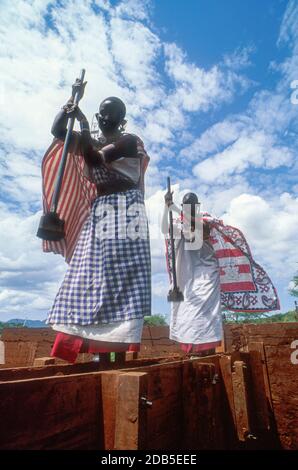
[245, 285]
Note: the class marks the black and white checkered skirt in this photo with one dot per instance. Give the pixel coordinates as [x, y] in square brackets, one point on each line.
[109, 276]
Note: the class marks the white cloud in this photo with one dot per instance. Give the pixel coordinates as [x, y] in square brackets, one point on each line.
[123, 56]
[265, 135]
[135, 49]
[160, 285]
[213, 139]
[270, 228]
[134, 9]
[199, 89]
[29, 279]
[240, 58]
[256, 149]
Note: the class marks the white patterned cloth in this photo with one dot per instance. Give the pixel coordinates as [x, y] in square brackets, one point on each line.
[197, 320]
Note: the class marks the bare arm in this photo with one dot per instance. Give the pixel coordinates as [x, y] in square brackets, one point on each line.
[69, 110]
[126, 147]
[59, 125]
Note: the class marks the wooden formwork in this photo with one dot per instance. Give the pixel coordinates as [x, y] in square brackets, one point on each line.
[216, 402]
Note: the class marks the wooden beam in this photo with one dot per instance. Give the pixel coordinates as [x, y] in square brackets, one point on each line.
[226, 373]
[262, 419]
[26, 373]
[131, 412]
[241, 400]
[259, 346]
[190, 406]
[51, 413]
[164, 418]
[207, 406]
[203, 423]
[109, 392]
[131, 356]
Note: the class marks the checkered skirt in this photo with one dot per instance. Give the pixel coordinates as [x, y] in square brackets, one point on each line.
[109, 276]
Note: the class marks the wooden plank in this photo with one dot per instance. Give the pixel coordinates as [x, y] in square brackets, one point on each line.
[165, 415]
[241, 400]
[259, 391]
[202, 412]
[163, 389]
[228, 417]
[26, 373]
[190, 406]
[259, 346]
[150, 365]
[131, 356]
[51, 413]
[131, 414]
[219, 407]
[226, 373]
[109, 391]
[23, 373]
[206, 410]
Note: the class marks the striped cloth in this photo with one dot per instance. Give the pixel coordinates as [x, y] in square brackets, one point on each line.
[245, 285]
[76, 196]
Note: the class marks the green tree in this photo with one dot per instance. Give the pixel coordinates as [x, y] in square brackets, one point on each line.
[155, 320]
[242, 317]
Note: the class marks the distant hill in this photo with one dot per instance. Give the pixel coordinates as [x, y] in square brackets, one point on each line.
[26, 323]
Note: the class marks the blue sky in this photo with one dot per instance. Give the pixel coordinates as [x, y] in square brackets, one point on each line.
[207, 86]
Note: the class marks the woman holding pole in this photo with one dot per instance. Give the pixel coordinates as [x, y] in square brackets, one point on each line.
[214, 268]
[106, 291]
[196, 314]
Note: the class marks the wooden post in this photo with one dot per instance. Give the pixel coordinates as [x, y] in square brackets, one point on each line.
[190, 405]
[226, 373]
[131, 411]
[131, 356]
[241, 400]
[200, 410]
[207, 406]
[259, 346]
[109, 391]
[164, 417]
